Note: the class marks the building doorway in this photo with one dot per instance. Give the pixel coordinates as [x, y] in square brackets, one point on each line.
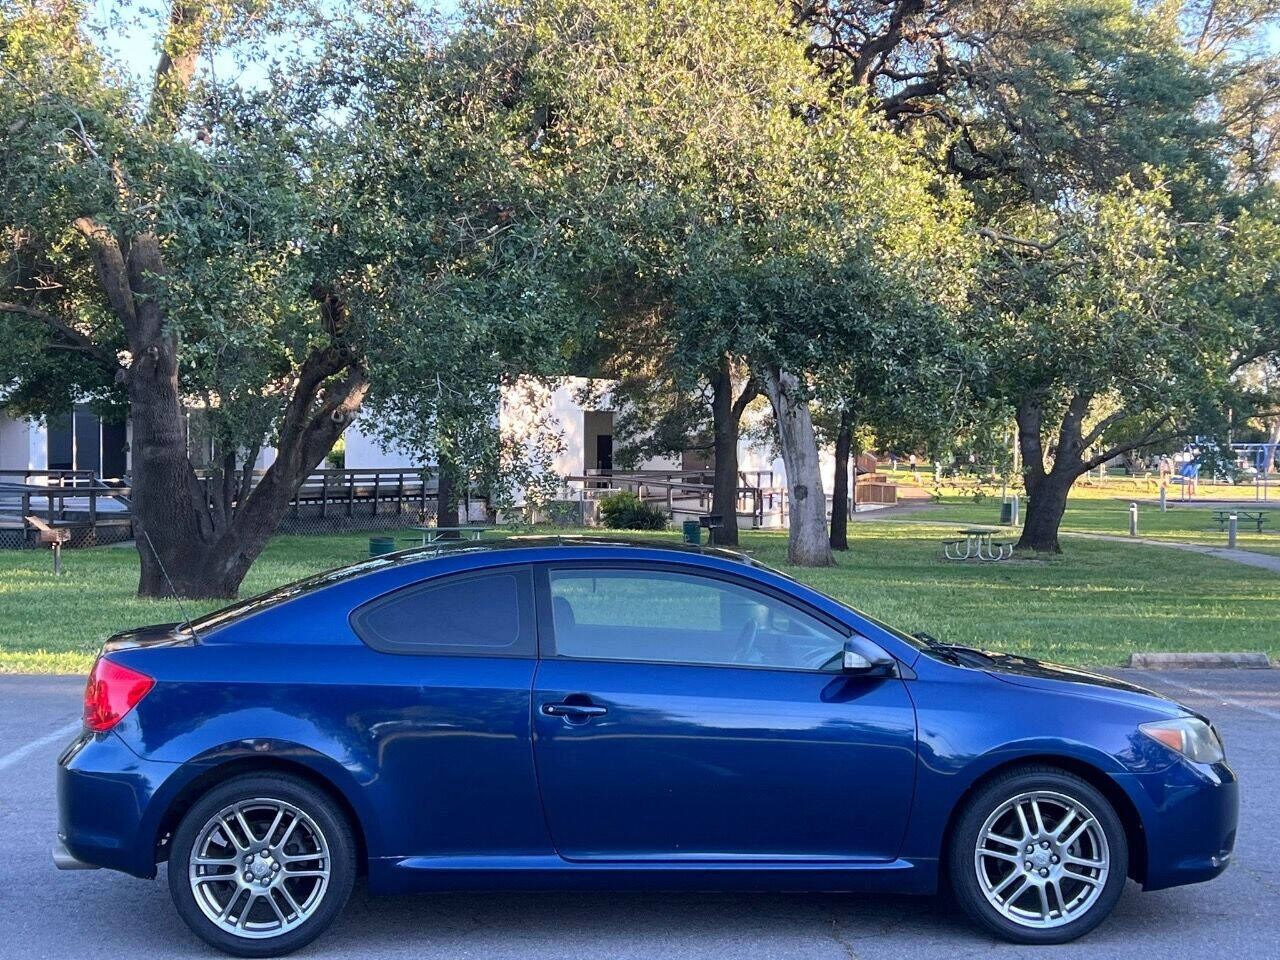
[597, 441]
[604, 452]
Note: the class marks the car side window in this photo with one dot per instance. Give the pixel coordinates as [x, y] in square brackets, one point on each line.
[487, 614]
[671, 617]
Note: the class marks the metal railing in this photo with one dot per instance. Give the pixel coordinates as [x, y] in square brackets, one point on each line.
[679, 492]
[67, 499]
[80, 500]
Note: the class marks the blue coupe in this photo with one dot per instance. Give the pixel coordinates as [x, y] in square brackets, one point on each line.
[577, 713]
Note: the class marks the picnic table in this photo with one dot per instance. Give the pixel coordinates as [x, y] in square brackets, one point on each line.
[977, 544]
[1256, 517]
[468, 531]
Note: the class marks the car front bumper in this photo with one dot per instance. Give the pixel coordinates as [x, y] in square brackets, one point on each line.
[1190, 818]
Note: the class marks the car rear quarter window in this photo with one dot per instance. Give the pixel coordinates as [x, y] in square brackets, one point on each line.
[487, 614]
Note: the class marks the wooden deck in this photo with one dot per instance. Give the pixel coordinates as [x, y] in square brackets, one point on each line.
[97, 510]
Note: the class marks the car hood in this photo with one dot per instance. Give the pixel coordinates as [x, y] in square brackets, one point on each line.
[1041, 674]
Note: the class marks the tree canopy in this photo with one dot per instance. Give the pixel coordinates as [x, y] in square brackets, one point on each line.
[891, 216]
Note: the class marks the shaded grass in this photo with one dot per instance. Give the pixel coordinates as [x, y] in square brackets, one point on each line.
[1092, 606]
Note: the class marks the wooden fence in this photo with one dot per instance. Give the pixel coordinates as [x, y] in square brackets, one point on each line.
[98, 510]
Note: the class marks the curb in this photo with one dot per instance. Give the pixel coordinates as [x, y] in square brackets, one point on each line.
[1202, 661]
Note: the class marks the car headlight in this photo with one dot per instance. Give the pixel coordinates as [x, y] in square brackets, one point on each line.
[1189, 736]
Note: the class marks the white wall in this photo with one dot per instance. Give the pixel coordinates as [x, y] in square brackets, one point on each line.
[22, 444]
[365, 450]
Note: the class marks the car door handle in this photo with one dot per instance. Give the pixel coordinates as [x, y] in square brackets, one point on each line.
[574, 711]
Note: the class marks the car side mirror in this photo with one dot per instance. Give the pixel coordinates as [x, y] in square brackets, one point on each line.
[867, 661]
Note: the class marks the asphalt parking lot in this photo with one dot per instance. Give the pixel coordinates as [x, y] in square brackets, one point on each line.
[47, 913]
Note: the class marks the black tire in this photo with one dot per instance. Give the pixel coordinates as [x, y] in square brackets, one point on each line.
[326, 815]
[963, 873]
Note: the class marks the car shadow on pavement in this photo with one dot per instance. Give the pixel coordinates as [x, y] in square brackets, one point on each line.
[643, 926]
[683, 924]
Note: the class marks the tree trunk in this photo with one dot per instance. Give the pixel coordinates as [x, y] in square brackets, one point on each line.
[199, 541]
[1269, 460]
[446, 494]
[1047, 489]
[1046, 504]
[807, 543]
[198, 538]
[840, 488]
[726, 423]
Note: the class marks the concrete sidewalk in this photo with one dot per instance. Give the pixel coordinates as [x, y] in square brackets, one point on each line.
[1263, 561]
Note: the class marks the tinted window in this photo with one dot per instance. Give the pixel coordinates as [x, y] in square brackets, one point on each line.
[485, 614]
[683, 618]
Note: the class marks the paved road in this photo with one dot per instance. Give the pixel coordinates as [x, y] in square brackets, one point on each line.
[44, 913]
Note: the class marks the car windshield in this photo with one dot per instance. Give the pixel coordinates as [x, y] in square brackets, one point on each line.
[918, 642]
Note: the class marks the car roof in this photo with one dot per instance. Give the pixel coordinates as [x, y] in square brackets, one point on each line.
[441, 549]
[552, 541]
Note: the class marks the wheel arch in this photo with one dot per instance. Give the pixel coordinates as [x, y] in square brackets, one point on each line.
[1097, 778]
[217, 773]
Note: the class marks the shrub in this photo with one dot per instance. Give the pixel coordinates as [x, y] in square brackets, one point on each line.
[626, 511]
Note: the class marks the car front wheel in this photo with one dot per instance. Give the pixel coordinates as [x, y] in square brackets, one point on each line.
[261, 865]
[1038, 856]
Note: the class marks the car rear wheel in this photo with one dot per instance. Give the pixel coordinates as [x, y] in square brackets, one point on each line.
[262, 864]
[1038, 856]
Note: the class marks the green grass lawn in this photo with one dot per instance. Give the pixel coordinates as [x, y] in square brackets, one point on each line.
[1093, 605]
[1094, 510]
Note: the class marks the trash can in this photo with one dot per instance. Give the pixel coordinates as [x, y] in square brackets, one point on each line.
[381, 545]
[692, 531]
[1006, 512]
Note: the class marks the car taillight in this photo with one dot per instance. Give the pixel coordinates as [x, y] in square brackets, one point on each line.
[113, 691]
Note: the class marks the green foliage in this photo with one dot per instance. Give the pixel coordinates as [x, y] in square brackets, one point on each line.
[336, 458]
[964, 211]
[626, 511]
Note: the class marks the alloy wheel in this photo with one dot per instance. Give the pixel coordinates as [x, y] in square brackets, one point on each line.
[259, 868]
[1042, 859]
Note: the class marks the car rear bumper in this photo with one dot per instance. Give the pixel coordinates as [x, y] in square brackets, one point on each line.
[108, 812]
[1190, 823]
[63, 860]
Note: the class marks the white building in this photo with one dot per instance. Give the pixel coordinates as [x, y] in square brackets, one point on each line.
[79, 440]
[577, 423]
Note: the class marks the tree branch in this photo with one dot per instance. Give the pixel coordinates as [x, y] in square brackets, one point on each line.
[109, 262]
[75, 340]
[1037, 246]
[179, 55]
[750, 390]
[1070, 446]
[1144, 440]
[1094, 435]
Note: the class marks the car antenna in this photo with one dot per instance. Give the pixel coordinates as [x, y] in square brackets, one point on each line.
[174, 590]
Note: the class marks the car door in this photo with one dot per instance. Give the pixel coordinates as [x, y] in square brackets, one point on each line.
[681, 714]
[444, 711]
